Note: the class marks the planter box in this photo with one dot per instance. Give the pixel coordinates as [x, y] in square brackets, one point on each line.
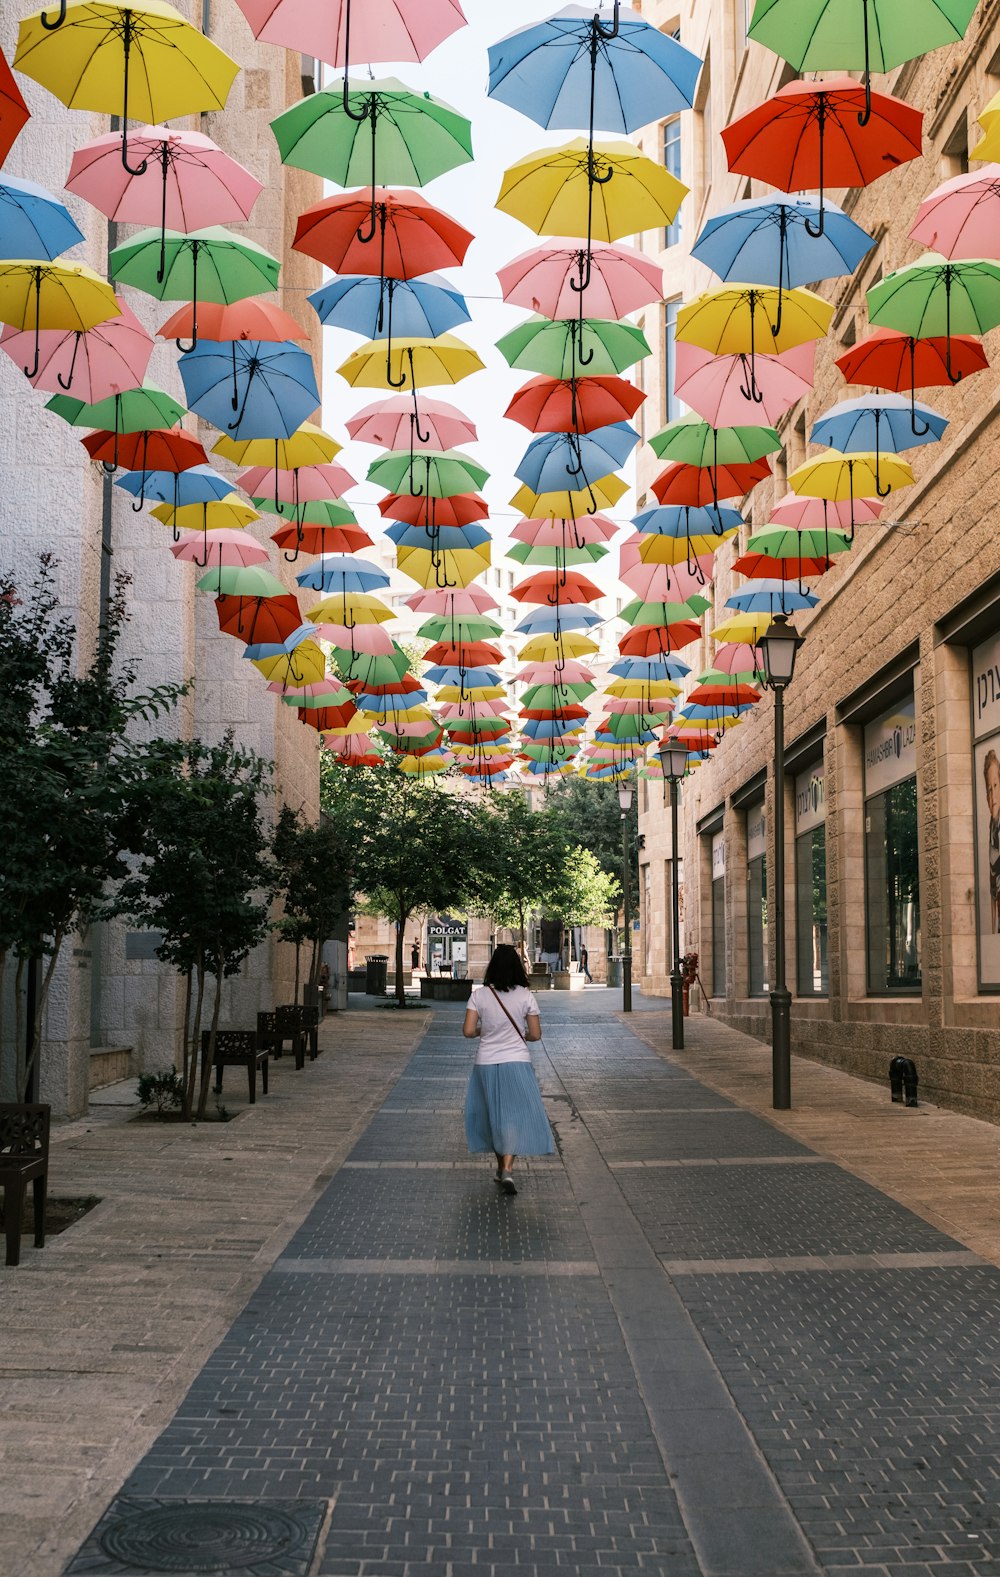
[444, 989]
[357, 980]
[565, 981]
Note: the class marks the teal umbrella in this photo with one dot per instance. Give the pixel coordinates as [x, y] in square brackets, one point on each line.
[937, 297]
[207, 265]
[558, 349]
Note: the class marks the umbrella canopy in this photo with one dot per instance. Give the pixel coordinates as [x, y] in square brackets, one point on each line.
[249, 318]
[319, 539]
[744, 319]
[224, 547]
[663, 583]
[936, 297]
[382, 308]
[263, 618]
[620, 279]
[585, 531]
[460, 510]
[251, 388]
[342, 574]
[473, 600]
[771, 596]
[566, 348]
[790, 546]
[552, 458]
[408, 236]
[407, 536]
[151, 450]
[378, 133]
[843, 477]
[128, 412]
[309, 446]
[601, 493]
[395, 424]
[14, 113]
[556, 405]
[824, 514]
[198, 485]
[555, 554]
[94, 364]
[887, 359]
[877, 422]
[961, 217]
[235, 581]
[33, 223]
[36, 296]
[657, 640]
[300, 484]
[213, 514]
[208, 265]
[694, 484]
[686, 523]
[432, 475]
[443, 567]
[142, 63]
[718, 387]
[695, 442]
[410, 363]
[598, 190]
[342, 34]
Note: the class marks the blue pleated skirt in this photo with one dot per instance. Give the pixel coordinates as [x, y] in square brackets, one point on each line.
[504, 1111]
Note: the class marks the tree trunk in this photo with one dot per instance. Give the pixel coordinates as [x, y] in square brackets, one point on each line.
[520, 921]
[298, 950]
[208, 1061]
[192, 1070]
[315, 962]
[186, 1048]
[43, 997]
[400, 945]
[3, 986]
[18, 1027]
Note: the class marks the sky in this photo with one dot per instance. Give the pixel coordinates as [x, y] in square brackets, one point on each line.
[457, 72]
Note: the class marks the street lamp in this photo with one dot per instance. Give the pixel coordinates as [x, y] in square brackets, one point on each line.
[778, 647]
[673, 759]
[625, 805]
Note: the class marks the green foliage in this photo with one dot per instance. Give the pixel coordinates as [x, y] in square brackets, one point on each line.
[527, 854]
[312, 865]
[583, 892]
[165, 1091]
[588, 813]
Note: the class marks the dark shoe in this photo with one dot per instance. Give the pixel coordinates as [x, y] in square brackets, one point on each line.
[507, 1183]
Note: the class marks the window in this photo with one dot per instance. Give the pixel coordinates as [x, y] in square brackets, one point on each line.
[672, 406]
[892, 872]
[672, 165]
[986, 791]
[956, 149]
[756, 901]
[812, 971]
[719, 915]
[703, 108]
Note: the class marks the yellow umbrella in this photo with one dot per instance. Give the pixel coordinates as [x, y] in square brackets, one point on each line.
[612, 192]
[229, 513]
[444, 567]
[550, 649]
[842, 477]
[357, 607]
[425, 766]
[36, 295]
[745, 629]
[410, 363]
[737, 320]
[639, 689]
[988, 146]
[308, 445]
[354, 725]
[306, 665]
[391, 715]
[570, 504]
[679, 550]
[455, 692]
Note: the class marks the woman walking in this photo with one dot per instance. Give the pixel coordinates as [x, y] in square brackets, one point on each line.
[503, 1105]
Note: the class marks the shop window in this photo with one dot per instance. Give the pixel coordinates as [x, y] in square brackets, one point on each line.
[718, 915]
[756, 901]
[812, 971]
[673, 165]
[956, 149]
[892, 872]
[986, 799]
[672, 406]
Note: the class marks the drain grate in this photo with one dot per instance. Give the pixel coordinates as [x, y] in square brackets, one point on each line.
[141, 1537]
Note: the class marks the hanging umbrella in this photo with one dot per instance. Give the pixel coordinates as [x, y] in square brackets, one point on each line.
[840, 35]
[988, 147]
[127, 412]
[410, 363]
[558, 556]
[95, 364]
[431, 474]
[549, 588]
[235, 581]
[641, 611]
[936, 297]
[718, 387]
[226, 547]
[694, 553]
[394, 424]
[249, 318]
[258, 616]
[620, 280]
[682, 484]
[601, 493]
[662, 583]
[460, 510]
[599, 191]
[33, 223]
[824, 514]
[320, 539]
[560, 622]
[961, 217]
[558, 649]
[771, 596]
[137, 62]
[689, 523]
[186, 181]
[407, 536]
[443, 567]
[197, 485]
[643, 668]
[658, 640]
[386, 308]
[830, 133]
[560, 350]
[342, 574]
[208, 265]
[877, 422]
[737, 319]
[557, 405]
[408, 235]
[298, 485]
[150, 450]
[223, 514]
[342, 34]
[887, 359]
[587, 530]
[35, 296]
[303, 666]
[14, 113]
[463, 654]
[555, 458]
[846, 478]
[692, 441]
[351, 608]
[466, 627]
[765, 241]
[474, 599]
[790, 546]
[251, 388]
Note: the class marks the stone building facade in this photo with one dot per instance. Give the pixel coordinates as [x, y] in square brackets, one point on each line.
[115, 1008]
[893, 715]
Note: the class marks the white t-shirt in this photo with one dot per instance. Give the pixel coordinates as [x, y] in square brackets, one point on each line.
[499, 1040]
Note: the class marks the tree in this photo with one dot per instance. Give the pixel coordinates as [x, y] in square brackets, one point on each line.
[202, 876]
[414, 845]
[68, 775]
[583, 892]
[527, 852]
[312, 865]
[589, 815]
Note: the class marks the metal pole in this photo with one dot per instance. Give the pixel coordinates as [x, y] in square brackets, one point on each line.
[781, 999]
[627, 906]
[676, 979]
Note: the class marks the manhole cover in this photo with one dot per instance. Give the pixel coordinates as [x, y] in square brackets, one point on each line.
[144, 1538]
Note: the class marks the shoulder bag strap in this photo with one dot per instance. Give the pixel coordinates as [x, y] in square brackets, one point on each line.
[504, 1010]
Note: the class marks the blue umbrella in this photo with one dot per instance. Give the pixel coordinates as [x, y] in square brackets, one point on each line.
[376, 701]
[545, 621]
[441, 539]
[711, 714]
[380, 308]
[649, 668]
[342, 573]
[198, 485]
[684, 520]
[557, 461]
[878, 422]
[550, 727]
[284, 648]
[771, 596]
[627, 70]
[468, 678]
[251, 388]
[33, 223]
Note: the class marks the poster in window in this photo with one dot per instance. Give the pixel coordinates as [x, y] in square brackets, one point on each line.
[986, 800]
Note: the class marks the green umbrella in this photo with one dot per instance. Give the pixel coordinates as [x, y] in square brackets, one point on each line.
[692, 441]
[478, 725]
[632, 726]
[808, 544]
[470, 627]
[550, 697]
[132, 411]
[385, 135]
[934, 297]
[639, 612]
[562, 349]
[440, 474]
[317, 512]
[207, 265]
[231, 581]
[335, 696]
[530, 553]
[552, 750]
[852, 35]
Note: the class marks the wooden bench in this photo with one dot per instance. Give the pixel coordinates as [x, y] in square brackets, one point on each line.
[237, 1048]
[24, 1158]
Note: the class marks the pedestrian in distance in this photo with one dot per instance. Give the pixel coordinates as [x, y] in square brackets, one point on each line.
[503, 1104]
[584, 964]
[414, 954]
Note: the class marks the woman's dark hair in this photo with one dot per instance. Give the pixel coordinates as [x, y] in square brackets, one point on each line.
[505, 969]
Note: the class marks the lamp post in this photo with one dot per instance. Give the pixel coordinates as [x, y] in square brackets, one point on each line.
[625, 805]
[673, 759]
[778, 647]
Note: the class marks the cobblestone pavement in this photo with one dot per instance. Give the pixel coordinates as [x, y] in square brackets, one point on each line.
[694, 1345]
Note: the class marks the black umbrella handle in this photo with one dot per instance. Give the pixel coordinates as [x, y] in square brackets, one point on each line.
[400, 383]
[817, 230]
[64, 383]
[347, 64]
[161, 272]
[755, 393]
[422, 438]
[782, 248]
[32, 371]
[420, 492]
[127, 27]
[366, 234]
[953, 377]
[866, 116]
[51, 26]
[195, 245]
[234, 426]
[921, 430]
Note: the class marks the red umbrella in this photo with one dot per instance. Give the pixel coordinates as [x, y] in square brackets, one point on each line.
[322, 539]
[411, 237]
[657, 640]
[565, 405]
[259, 619]
[464, 654]
[323, 717]
[810, 134]
[706, 484]
[14, 113]
[552, 586]
[251, 318]
[460, 510]
[886, 359]
[719, 694]
[760, 566]
[153, 449]
[543, 714]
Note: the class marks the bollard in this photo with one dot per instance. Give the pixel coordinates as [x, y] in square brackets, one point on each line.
[903, 1080]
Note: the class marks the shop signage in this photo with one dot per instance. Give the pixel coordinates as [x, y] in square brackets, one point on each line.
[442, 925]
[891, 748]
[986, 800]
[810, 798]
[756, 833]
[718, 856]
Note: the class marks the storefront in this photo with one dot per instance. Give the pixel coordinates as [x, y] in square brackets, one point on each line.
[447, 945]
[812, 976]
[718, 914]
[986, 808]
[892, 866]
[757, 965]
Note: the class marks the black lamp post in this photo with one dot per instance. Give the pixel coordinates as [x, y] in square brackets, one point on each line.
[625, 804]
[778, 647]
[673, 759]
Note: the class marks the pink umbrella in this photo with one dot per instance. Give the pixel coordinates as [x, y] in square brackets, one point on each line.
[320, 687]
[105, 360]
[622, 279]
[635, 706]
[473, 599]
[565, 533]
[736, 657]
[821, 514]
[961, 217]
[219, 548]
[451, 711]
[305, 485]
[369, 640]
[342, 34]
[663, 582]
[713, 385]
[571, 672]
[395, 424]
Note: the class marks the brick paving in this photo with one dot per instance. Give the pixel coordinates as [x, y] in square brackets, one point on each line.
[697, 1344]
